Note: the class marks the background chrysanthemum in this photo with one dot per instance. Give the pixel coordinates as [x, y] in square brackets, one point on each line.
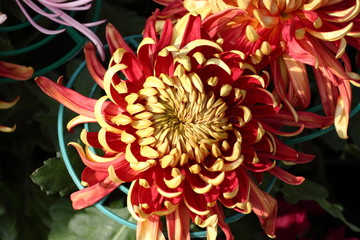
[289, 36]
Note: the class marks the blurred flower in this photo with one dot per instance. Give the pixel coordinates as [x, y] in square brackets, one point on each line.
[298, 221]
[12, 71]
[16, 72]
[339, 234]
[290, 35]
[189, 128]
[293, 219]
[7, 105]
[55, 10]
[2, 17]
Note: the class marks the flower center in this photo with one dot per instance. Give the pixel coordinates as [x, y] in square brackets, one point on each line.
[187, 123]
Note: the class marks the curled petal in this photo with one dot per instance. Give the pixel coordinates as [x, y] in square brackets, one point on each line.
[78, 120]
[7, 105]
[90, 195]
[102, 164]
[7, 129]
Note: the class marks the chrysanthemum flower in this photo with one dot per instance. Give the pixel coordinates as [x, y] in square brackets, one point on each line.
[290, 35]
[57, 11]
[189, 128]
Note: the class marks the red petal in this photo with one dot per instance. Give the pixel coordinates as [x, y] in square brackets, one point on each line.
[265, 207]
[92, 177]
[96, 69]
[224, 227]
[178, 223]
[15, 71]
[192, 30]
[90, 195]
[115, 40]
[71, 99]
[285, 176]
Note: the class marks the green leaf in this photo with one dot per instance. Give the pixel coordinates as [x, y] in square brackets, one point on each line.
[61, 212]
[337, 211]
[89, 224]
[53, 176]
[308, 191]
[8, 229]
[25, 213]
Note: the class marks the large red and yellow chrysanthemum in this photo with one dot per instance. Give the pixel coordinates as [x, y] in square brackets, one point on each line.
[189, 128]
[290, 35]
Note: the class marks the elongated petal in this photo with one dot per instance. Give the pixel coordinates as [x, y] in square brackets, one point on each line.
[221, 222]
[306, 119]
[90, 195]
[96, 69]
[115, 40]
[265, 207]
[71, 99]
[15, 71]
[149, 229]
[285, 176]
[178, 223]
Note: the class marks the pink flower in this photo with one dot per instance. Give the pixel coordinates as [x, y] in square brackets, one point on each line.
[2, 17]
[56, 11]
